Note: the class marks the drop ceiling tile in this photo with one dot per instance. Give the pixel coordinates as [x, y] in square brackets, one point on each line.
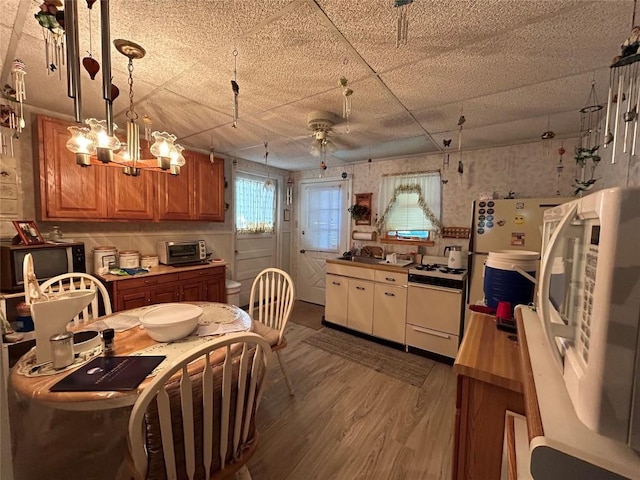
[9, 12]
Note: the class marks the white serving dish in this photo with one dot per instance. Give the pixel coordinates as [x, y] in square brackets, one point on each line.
[171, 321]
[397, 263]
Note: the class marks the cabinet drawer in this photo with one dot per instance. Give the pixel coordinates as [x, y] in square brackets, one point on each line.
[129, 284]
[349, 271]
[392, 278]
[203, 272]
[432, 340]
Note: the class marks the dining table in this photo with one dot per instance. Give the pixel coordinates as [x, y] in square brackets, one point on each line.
[82, 434]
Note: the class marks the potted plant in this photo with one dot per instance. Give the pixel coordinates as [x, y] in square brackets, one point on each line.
[359, 212]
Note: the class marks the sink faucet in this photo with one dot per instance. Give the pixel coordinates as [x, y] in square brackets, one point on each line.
[384, 251]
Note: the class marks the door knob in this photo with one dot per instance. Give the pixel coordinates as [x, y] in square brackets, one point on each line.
[302, 251]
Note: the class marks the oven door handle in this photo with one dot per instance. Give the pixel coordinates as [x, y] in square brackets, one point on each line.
[436, 287]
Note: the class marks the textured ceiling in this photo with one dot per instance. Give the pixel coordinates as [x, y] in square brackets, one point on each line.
[512, 67]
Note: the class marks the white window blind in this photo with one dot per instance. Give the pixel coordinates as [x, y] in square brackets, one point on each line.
[255, 206]
[323, 210]
[410, 202]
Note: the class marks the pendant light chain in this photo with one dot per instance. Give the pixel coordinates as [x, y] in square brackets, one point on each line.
[236, 88]
[131, 113]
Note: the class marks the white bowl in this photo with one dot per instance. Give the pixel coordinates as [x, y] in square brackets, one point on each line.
[171, 321]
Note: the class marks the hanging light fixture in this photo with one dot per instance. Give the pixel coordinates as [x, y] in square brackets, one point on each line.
[624, 80]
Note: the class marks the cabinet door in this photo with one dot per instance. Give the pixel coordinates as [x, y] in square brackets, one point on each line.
[67, 191]
[130, 198]
[208, 188]
[192, 291]
[336, 295]
[215, 288]
[389, 312]
[134, 299]
[360, 306]
[166, 293]
[175, 194]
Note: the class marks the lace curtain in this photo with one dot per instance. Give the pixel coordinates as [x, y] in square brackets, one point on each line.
[427, 187]
[255, 206]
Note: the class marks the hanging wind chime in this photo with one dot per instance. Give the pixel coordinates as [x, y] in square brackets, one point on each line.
[461, 121]
[546, 138]
[590, 116]
[12, 108]
[212, 157]
[89, 63]
[268, 184]
[624, 92]
[445, 161]
[559, 168]
[346, 104]
[402, 27]
[52, 22]
[236, 90]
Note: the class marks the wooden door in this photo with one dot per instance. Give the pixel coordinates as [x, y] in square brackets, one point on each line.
[166, 293]
[175, 194]
[67, 190]
[208, 187]
[130, 198]
[135, 299]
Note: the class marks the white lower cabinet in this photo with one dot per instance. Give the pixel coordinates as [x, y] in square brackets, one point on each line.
[389, 312]
[368, 300]
[360, 305]
[336, 295]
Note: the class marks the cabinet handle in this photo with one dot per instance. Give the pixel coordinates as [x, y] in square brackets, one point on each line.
[147, 282]
[431, 332]
[336, 283]
[359, 288]
[389, 294]
[389, 279]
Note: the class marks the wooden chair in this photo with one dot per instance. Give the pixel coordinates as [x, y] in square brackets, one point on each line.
[196, 419]
[270, 305]
[80, 281]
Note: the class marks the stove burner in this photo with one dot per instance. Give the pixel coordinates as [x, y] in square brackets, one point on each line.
[427, 267]
[454, 271]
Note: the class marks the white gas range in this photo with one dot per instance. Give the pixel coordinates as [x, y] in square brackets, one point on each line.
[435, 307]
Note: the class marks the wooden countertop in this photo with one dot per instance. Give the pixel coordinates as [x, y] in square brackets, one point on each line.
[487, 354]
[160, 270]
[373, 265]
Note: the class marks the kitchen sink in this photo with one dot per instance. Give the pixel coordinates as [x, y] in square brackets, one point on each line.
[368, 260]
[399, 263]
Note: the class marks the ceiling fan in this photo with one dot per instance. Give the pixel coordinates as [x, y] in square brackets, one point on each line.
[321, 123]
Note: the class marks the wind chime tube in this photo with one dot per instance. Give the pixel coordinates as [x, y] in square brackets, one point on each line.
[628, 112]
[615, 119]
[635, 120]
[105, 33]
[73, 55]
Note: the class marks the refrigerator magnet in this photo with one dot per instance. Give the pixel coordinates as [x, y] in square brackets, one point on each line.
[517, 239]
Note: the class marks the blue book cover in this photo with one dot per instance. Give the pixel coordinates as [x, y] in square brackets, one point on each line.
[109, 374]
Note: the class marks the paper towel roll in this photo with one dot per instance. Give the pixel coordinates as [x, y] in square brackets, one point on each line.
[363, 235]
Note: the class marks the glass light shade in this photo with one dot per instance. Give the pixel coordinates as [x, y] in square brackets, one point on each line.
[176, 156]
[162, 148]
[268, 184]
[80, 143]
[100, 135]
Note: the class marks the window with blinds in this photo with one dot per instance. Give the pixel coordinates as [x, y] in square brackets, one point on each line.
[410, 206]
[255, 205]
[323, 209]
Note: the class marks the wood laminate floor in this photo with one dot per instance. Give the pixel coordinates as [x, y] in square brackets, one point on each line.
[350, 422]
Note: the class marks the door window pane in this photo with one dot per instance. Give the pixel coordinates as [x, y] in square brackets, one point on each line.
[323, 212]
[255, 206]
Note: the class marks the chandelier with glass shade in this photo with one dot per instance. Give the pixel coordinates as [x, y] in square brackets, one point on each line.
[96, 143]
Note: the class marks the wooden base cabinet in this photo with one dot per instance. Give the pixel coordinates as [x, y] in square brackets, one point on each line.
[202, 284]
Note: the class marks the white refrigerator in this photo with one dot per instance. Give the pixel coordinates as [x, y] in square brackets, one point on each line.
[510, 224]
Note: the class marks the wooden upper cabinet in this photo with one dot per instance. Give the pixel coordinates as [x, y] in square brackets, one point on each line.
[130, 198]
[196, 194]
[209, 188]
[67, 191]
[102, 193]
[175, 194]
